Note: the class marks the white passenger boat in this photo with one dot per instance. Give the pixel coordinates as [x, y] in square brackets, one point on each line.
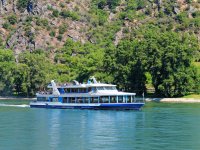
[91, 95]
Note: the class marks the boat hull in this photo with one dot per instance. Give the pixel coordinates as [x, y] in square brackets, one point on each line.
[104, 106]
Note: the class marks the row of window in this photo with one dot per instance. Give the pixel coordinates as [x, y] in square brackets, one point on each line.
[94, 100]
[102, 99]
[84, 90]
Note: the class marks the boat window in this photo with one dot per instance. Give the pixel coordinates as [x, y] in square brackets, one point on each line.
[120, 99]
[94, 100]
[41, 99]
[72, 100]
[61, 90]
[94, 89]
[74, 90]
[128, 99]
[100, 88]
[110, 88]
[89, 89]
[114, 88]
[87, 100]
[113, 99]
[104, 99]
[82, 90]
[80, 100]
[67, 90]
[133, 98]
[64, 99]
[55, 99]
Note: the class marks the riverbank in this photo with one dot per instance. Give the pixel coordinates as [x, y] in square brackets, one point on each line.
[17, 98]
[165, 100]
[173, 100]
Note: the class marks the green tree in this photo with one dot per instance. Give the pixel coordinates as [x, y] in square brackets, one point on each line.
[22, 79]
[130, 68]
[38, 72]
[7, 67]
[169, 62]
[79, 61]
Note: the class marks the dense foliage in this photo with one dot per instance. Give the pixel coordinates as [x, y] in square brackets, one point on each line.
[164, 59]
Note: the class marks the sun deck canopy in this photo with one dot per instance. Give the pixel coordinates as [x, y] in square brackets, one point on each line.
[83, 85]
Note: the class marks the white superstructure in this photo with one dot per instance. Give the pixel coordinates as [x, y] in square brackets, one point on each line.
[86, 95]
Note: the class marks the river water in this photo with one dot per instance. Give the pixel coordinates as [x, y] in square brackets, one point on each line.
[157, 126]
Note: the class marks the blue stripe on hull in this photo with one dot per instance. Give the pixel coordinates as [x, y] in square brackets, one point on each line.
[102, 106]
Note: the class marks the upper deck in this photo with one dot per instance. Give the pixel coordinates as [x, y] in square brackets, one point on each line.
[90, 92]
[84, 85]
[91, 88]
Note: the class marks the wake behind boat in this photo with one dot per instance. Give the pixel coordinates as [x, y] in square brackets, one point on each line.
[92, 95]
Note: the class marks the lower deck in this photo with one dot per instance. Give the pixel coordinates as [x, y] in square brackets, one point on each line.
[94, 99]
[110, 106]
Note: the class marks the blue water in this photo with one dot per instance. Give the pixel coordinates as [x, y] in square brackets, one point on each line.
[158, 126]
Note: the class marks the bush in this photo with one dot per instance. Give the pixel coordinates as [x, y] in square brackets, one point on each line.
[189, 1]
[49, 7]
[62, 5]
[65, 13]
[27, 31]
[112, 4]
[42, 22]
[196, 22]
[12, 19]
[59, 37]
[6, 25]
[141, 4]
[68, 14]
[55, 13]
[52, 33]
[196, 14]
[45, 22]
[22, 5]
[29, 19]
[181, 17]
[1, 42]
[102, 4]
[62, 29]
[38, 22]
[74, 16]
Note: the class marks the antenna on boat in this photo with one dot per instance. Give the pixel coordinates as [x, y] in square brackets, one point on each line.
[93, 78]
[76, 82]
[143, 96]
[55, 89]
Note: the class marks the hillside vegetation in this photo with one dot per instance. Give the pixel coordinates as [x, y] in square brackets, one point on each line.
[137, 44]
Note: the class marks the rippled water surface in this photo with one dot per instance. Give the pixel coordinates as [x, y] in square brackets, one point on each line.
[157, 126]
